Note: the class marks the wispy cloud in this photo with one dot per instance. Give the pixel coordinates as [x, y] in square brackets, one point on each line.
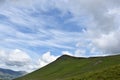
[80, 27]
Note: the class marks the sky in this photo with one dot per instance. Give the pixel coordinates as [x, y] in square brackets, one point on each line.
[34, 33]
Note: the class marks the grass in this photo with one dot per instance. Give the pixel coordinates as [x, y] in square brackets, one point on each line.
[111, 73]
[72, 68]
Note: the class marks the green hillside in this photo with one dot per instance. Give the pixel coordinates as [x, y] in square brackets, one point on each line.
[72, 68]
[111, 73]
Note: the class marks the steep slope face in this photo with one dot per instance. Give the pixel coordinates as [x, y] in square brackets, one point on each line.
[67, 67]
[7, 74]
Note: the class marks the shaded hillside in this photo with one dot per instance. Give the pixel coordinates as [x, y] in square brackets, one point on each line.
[72, 68]
[7, 74]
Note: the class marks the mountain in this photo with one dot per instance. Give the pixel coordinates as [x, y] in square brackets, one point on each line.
[7, 74]
[74, 68]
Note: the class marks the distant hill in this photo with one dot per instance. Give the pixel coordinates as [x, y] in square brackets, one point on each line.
[73, 68]
[7, 74]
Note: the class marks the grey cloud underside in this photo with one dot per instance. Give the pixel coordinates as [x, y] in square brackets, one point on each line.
[16, 63]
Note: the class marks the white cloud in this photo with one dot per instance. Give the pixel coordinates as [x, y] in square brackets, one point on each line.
[80, 53]
[3, 55]
[46, 58]
[101, 18]
[108, 43]
[19, 60]
[16, 59]
[67, 53]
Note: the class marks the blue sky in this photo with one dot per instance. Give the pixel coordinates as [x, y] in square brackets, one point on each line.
[35, 33]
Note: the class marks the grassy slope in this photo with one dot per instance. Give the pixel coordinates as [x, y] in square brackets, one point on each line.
[71, 68]
[111, 73]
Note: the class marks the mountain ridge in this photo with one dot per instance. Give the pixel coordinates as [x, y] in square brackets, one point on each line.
[8, 74]
[67, 67]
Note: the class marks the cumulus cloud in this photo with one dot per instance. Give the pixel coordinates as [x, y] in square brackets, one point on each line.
[15, 58]
[102, 22]
[18, 58]
[109, 43]
[25, 21]
[46, 58]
